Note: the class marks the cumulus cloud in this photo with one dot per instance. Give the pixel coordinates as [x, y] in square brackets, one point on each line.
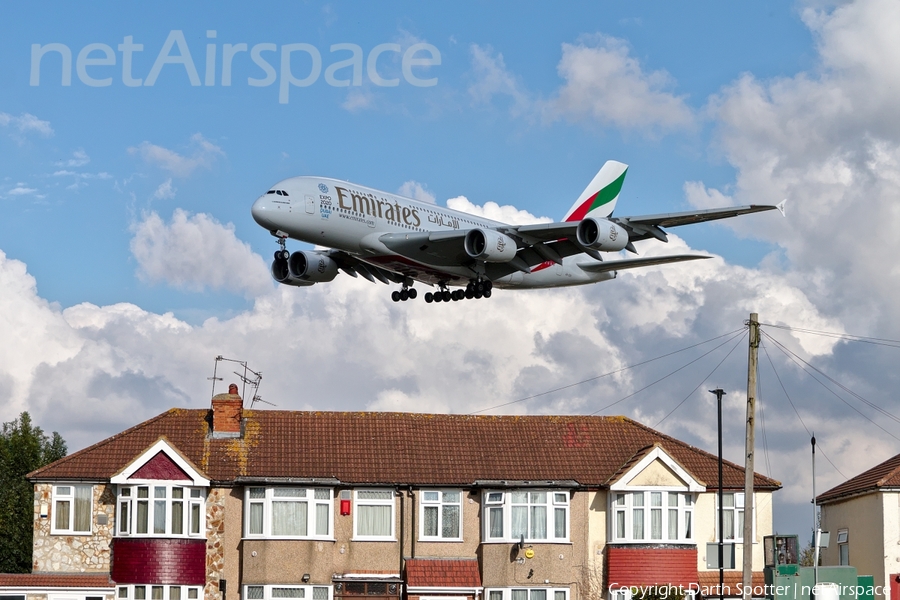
[196, 252]
[203, 154]
[165, 191]
[604, 84]
[79, 159]
[491, 210]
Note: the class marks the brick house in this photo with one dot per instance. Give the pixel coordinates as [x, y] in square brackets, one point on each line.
[231, 503]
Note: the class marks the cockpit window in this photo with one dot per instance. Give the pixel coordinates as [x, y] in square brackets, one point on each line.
[283, 193]
[277, 192]
[270, 192]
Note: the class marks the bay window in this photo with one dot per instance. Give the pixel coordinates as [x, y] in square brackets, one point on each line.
[530, 515]
[527, 594]
[289, 512]
[72, 509]
[160, 510]
[158, 592]
[274, 592]
[440, 515]
[648, 516]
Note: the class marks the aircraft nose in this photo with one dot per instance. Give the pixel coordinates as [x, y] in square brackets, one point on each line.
[261, 211]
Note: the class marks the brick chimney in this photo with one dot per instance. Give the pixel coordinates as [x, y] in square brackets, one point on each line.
[227, 411]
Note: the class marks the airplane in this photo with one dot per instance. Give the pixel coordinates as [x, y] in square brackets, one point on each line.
[385, 237]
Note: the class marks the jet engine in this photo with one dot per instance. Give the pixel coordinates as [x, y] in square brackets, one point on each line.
[282, 274]
[490, 246]
[600, 234]
[311, 267]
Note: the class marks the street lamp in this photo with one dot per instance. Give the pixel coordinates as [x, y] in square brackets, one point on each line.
[719, 392]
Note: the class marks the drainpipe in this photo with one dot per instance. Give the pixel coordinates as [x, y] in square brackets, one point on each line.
[413, 531]
[402, 530]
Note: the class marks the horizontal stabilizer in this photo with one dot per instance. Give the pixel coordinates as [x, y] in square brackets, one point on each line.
[634, 263]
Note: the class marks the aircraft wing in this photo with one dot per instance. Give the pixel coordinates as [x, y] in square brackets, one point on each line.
[635, 263]
[354, 267]
[649, 226]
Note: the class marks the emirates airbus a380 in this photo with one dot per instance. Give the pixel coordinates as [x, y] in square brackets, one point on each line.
[393, 239]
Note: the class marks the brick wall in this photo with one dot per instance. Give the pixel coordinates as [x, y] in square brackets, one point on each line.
[159, 561]
[627, 566]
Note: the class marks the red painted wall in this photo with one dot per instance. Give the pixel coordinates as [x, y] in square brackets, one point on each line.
[651, 566]
[159, 561]
[161, 467]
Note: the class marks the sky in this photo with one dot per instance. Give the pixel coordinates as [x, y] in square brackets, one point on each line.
[134, 138]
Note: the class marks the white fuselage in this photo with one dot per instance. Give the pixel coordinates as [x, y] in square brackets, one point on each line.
[350, 217]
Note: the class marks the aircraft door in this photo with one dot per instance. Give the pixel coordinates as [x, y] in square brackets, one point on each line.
[310, 205]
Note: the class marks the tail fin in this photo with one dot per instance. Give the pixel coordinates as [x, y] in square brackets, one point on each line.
[599, 198]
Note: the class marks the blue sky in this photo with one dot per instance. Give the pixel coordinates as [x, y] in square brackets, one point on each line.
[130, 259]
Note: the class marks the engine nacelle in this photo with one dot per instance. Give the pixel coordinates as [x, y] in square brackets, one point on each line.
[490, 246]
[311, 267]
[600, 234]
[282, 274]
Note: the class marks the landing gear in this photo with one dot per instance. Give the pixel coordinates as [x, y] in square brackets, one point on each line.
[282, 252]
[477, 288]
[407, 293]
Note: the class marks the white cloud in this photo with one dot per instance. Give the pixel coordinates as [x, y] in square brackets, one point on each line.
[491, 210]
[204, 154]
[416, 190]
[196, 252]
[165, 191]
[358, 100]
[79, 159]
[492, 78]
[21, 190]
[26, 123]
[605, 84]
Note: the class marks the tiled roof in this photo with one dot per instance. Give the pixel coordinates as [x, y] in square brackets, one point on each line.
[884, 475]
[55, 580]
[732, 583]
[380, 447]
[448, 573]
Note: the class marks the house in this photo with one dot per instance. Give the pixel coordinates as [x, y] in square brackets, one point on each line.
[862, 516]
[231, 503]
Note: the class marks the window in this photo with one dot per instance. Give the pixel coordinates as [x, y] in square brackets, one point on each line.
[288, 512]
[373, 515]
[843, 537]
[732, 516]
[72, 509]
[157, 592]
[527, 594]
[440, 514]
[532, 515]
[661, 516]
[273, 592]
[160, 510]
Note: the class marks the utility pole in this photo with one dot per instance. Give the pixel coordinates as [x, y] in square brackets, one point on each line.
[752, 362]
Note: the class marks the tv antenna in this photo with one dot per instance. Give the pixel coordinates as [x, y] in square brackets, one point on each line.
[249, 377]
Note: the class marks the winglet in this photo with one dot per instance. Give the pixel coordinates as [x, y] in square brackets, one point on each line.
[780, 206]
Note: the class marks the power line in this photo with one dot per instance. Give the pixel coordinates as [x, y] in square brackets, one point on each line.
[702, 381]
[847, 337]
[800, 361]
[796, 412]
[635, 393]
[596, 377]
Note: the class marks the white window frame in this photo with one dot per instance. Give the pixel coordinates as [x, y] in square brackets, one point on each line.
[307, 590]
[437, 499]
[504, 500]
[65, 493]
[155, 496]
[361, 502]
[304, 495]
[186, 592]
[737, 507]
[507, 593]
[623, 509]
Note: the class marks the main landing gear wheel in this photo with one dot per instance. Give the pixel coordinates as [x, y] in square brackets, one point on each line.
[407, 293]
[475, 289]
